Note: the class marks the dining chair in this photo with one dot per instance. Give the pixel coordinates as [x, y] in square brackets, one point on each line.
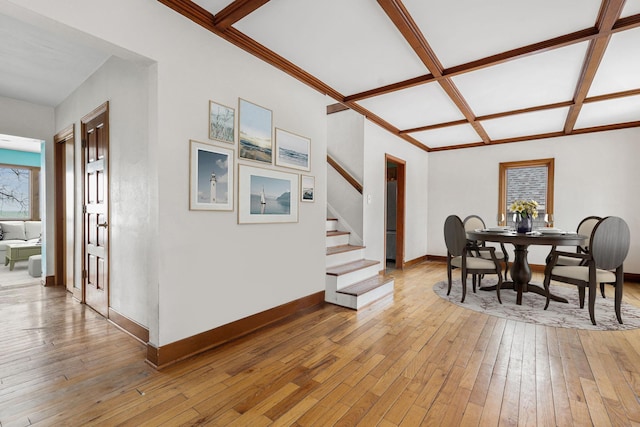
[460, 255]
[609, 246]
[474, 222]
[585, 228]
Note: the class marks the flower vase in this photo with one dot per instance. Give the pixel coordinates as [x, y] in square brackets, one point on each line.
[524, 224]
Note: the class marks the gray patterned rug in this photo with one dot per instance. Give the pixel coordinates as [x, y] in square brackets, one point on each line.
[562, 315]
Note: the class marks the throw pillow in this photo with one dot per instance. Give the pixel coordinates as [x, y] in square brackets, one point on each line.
[13, 230]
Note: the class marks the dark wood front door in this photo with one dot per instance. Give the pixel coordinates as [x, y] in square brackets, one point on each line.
[95, 142]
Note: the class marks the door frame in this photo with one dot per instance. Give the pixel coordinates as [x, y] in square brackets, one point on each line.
[64, 239]
[400, 207]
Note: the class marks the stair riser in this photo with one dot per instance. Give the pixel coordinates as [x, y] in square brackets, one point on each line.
[340, 240]
[350, 278]
[344, 257]
[332, 225]
[362, 300]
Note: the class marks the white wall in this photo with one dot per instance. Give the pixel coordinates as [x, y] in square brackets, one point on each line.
[379, 142]
[210, 271]
[345, 144]
[595, 174]
[22, 118]
[124, 84]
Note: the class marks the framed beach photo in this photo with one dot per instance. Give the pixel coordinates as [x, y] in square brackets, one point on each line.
[266, 196]
[222, 123]
[307, 188]
[211, 170]
[255, 127]
[292, 151]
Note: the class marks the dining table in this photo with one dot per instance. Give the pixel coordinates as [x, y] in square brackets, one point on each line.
[520, 270]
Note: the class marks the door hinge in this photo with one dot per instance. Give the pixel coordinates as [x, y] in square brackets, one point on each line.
[84, 143]
[84, 208]
[85, 274]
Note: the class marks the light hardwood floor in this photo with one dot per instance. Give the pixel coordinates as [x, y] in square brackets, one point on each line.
[411, 359]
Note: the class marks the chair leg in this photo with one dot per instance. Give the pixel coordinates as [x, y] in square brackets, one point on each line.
[498, 287]
[474, 277]
[464, 286]
[547, 293]
[602, 290]
[618, 297]
[592, 302]
[581, 296]
[449, 280]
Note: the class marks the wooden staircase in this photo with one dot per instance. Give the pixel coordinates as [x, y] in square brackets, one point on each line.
[351, 280]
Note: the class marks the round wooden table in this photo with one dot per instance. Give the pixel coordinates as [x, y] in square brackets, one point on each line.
[520, 270]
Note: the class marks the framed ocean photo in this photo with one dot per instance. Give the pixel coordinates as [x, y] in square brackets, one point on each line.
[292, 151]
[266, 195]
[222, 122]
[211, 170]
[255, 128]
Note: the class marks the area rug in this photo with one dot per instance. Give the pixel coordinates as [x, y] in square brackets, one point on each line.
[562, 315]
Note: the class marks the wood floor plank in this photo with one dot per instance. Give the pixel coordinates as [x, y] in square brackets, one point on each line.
[413, 359]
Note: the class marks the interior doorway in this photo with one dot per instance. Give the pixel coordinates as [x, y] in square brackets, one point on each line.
[394, 213]
[64, 161]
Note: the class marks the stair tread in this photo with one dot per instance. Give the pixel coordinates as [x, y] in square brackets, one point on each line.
[366, 285]
[336, 233]
[342, 248]
[349, 267]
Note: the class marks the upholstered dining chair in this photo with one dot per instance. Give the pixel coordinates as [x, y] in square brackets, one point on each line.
[609, 246]
[459, 255]
[585, 227]
[474, 222]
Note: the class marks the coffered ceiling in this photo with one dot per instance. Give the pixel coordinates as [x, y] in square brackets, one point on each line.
[450, 74]
[439, 74]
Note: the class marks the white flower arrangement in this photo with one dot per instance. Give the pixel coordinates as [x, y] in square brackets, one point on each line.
[525, 208]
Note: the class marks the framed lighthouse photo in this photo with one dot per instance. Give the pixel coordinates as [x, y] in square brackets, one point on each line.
[211, 177]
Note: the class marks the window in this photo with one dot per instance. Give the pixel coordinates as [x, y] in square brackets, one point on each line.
[529, 179]
[19, 192]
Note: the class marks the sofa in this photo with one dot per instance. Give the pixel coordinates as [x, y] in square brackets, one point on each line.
[18, 232]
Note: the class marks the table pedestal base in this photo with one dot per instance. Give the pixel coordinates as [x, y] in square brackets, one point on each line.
[521, 275]
[530, 287]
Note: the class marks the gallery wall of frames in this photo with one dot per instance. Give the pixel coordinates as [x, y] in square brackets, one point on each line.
[269, 160]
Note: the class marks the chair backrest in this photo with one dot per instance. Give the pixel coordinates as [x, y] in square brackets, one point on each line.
[454, 235]
[473, 222]
[585, 228]
[610, 242]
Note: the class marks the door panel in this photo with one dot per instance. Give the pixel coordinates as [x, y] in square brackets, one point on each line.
[95, 131]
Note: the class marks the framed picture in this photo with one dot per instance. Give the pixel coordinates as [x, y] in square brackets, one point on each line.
[307, 188]
[292, 151]
[256, 141]
[222, 122]
[211, 177]
[266, 195]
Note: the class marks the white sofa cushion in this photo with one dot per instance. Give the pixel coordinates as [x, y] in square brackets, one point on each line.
[33, 229]
[13, 230]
